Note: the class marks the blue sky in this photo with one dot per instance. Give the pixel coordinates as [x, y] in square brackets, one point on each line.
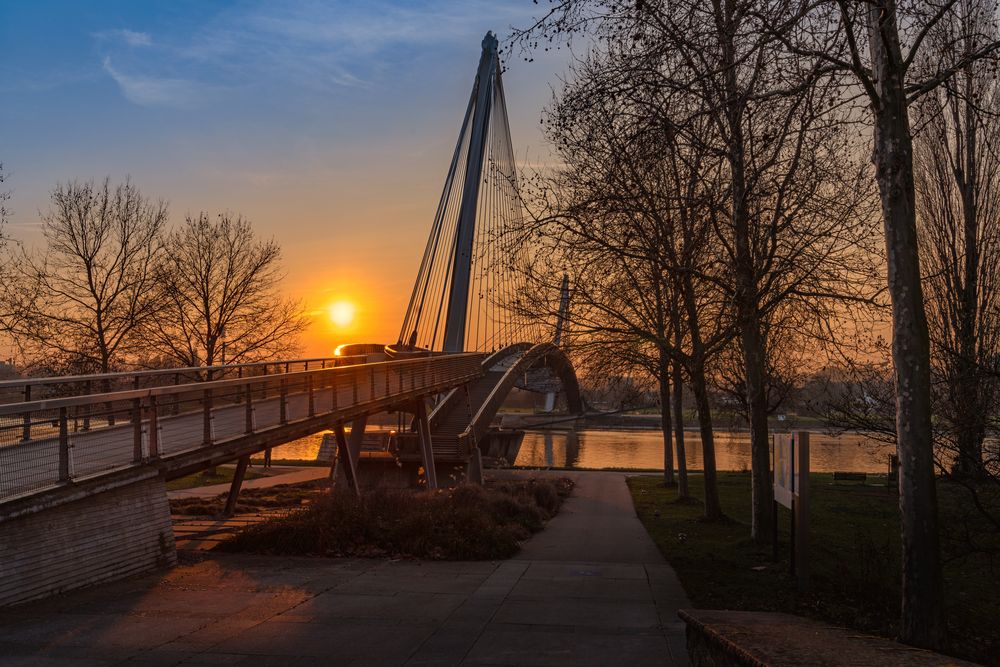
[328, 124]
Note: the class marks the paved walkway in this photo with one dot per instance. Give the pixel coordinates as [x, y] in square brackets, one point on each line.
[295, 475]
[589, 590]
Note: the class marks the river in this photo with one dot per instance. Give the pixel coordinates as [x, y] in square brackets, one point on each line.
[637, 449]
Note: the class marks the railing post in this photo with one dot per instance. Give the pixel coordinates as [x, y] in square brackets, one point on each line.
[248, 428]
[154, 433]
[312, 397]
[86, 409]
[26, 419]
[63, 446]
[354, 384]
[371, 374]
[239, 388]
[333, 392]
[207, 417]
[263, 389]
[283, 402]
[106, 387]
[136, 430]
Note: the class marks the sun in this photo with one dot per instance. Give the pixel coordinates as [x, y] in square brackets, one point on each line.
[341, 313]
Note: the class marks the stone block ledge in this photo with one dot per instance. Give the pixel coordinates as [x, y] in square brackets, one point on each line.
[769, 639]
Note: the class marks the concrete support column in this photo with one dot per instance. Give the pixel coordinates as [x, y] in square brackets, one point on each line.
[426, 445]
[234, 488]
[346, 459]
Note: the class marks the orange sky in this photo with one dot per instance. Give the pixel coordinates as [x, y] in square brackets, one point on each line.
[330, 127]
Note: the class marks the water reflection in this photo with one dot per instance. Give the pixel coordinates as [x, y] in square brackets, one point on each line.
[643, 449]
[639, 449]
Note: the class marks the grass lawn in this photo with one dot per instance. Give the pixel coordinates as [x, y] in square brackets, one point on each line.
[221, 476]
[854, 550]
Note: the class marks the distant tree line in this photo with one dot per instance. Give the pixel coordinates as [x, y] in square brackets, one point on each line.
[725, 169]
[114, 287]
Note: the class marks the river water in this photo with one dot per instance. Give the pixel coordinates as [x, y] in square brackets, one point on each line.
[643, 449]
[636, 449]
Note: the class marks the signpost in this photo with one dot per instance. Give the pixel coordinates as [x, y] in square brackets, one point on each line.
[791, 489]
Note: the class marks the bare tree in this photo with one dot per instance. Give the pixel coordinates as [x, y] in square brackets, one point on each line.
[791, 215]
[957, 180]
[219, 287]
[85, 297]
[880, 44]
[630, 216]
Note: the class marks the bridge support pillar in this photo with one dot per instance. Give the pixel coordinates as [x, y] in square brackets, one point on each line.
[234, 488]
[346, 459]
[474, 469]
[426, 445]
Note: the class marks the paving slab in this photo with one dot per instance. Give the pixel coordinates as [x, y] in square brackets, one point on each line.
[591, 589]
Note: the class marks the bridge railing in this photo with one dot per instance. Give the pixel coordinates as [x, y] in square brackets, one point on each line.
[78, 436]
[43, 388]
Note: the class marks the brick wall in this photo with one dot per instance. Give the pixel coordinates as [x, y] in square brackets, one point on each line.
[106, 536]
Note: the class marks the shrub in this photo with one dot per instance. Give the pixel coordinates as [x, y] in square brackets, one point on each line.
[464, 523]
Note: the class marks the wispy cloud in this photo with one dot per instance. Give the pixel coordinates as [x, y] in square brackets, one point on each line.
[131, 38]
[154, 91]
[313, 45]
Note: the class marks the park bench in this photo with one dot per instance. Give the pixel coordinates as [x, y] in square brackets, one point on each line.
[850, 477]
[768, 639]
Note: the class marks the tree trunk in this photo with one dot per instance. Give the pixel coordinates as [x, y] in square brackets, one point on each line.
[663, 377]
[747, 301]
[713, 510]
[760, 455]
[968, 403]
[682, 474]
[696, 373]
[922, 618]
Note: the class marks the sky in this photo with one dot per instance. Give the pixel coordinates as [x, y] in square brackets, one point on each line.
[329, 125]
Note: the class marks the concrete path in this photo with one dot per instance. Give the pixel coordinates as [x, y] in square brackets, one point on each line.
[589, 590]
[294, 476]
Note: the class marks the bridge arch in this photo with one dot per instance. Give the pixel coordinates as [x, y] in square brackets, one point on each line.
[464, 416]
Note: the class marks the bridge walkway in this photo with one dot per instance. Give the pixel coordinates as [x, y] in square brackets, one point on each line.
[184, 426]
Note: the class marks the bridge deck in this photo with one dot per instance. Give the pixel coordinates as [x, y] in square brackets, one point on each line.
[190, 422]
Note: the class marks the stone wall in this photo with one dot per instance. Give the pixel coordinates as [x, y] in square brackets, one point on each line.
[109, 535]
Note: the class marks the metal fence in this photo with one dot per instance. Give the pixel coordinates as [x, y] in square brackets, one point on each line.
[40, 388]
[57, 440]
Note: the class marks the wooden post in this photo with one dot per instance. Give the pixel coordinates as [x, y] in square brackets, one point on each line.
[426, 445]
[234, 488]
[345, 459]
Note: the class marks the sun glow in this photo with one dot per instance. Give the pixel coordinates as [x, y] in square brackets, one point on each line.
[341, 313]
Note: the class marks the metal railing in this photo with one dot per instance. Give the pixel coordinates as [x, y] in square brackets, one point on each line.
[24, 390]
[57, 440]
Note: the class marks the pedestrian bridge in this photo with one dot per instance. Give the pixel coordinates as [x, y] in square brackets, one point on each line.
[83, 459]
[179, 420]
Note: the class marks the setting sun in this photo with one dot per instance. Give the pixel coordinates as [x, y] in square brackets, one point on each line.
[341, 313]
